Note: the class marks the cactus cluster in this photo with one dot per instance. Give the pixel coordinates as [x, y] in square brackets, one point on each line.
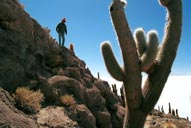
[173, 112]
[114, 88]
[146, 49]
[161, 109]
[141, 54]
[122, 96]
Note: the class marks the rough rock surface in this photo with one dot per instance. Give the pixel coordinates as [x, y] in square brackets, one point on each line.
[30, 57]
[158, 119]
[53, 117]
[10, 117]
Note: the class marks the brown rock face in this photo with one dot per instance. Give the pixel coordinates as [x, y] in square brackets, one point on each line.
[24, 46]
[30, 57]
[10, 116]
[55, 117]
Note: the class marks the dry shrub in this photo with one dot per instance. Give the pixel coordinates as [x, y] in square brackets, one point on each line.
[68, 100]
[28, 100]
[169, 125]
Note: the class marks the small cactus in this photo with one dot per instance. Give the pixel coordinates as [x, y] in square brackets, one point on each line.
[98, 76]
[173, 112]
[159, 108]
[162, 109]
[114, 88]
[169, 109]
[72, 47]
[177, 115]
[122, 96]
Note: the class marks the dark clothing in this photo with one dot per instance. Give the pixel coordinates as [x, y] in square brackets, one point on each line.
[62, 30]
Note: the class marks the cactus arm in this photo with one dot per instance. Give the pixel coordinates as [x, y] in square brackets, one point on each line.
[140, 41]
[132, 79]
[149, 55]
[125, 37]
[156, 81]
[111, 63]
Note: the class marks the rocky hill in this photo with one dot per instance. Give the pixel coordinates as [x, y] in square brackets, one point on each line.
[31, 58]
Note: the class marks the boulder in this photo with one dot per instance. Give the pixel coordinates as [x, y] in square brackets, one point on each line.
[55, 117]
[82, 115]
[10, 116]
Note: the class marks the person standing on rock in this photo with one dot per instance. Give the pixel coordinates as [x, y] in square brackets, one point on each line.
[62, 31]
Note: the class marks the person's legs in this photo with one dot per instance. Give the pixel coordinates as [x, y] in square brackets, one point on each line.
[59, 38]
[63, 40]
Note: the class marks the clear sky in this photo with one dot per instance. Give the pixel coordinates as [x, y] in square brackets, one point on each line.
[89, 24]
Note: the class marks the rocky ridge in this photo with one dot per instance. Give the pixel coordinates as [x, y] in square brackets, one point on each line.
[30, 57]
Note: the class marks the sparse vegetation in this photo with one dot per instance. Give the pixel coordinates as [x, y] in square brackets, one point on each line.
[28, 100]
[68, 100]
[169, 125]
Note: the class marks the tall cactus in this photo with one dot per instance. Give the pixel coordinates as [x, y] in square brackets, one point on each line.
[142, 56]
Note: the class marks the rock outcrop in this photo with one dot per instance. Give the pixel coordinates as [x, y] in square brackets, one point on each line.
[25, 47]
[30, 57]
[10, 116]
[157, 119]
[55, 117]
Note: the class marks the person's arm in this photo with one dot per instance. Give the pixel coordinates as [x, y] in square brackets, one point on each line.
[57, 28]
[65, 29]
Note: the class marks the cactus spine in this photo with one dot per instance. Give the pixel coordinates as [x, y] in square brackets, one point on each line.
[139, 102]
[147, 51]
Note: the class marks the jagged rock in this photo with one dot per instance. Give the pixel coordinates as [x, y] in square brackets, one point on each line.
[94, 98]
[10, 117]
[55, 117]
[116, 111]
[83, 116]
[58, 86]
[157, 119]
[24, 46]
[103, 118]
[55, 60]
[70, 60]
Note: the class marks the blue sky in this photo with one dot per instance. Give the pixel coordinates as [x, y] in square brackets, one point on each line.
[89, 24]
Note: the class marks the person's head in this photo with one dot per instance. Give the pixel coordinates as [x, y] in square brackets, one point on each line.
[63, 20]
